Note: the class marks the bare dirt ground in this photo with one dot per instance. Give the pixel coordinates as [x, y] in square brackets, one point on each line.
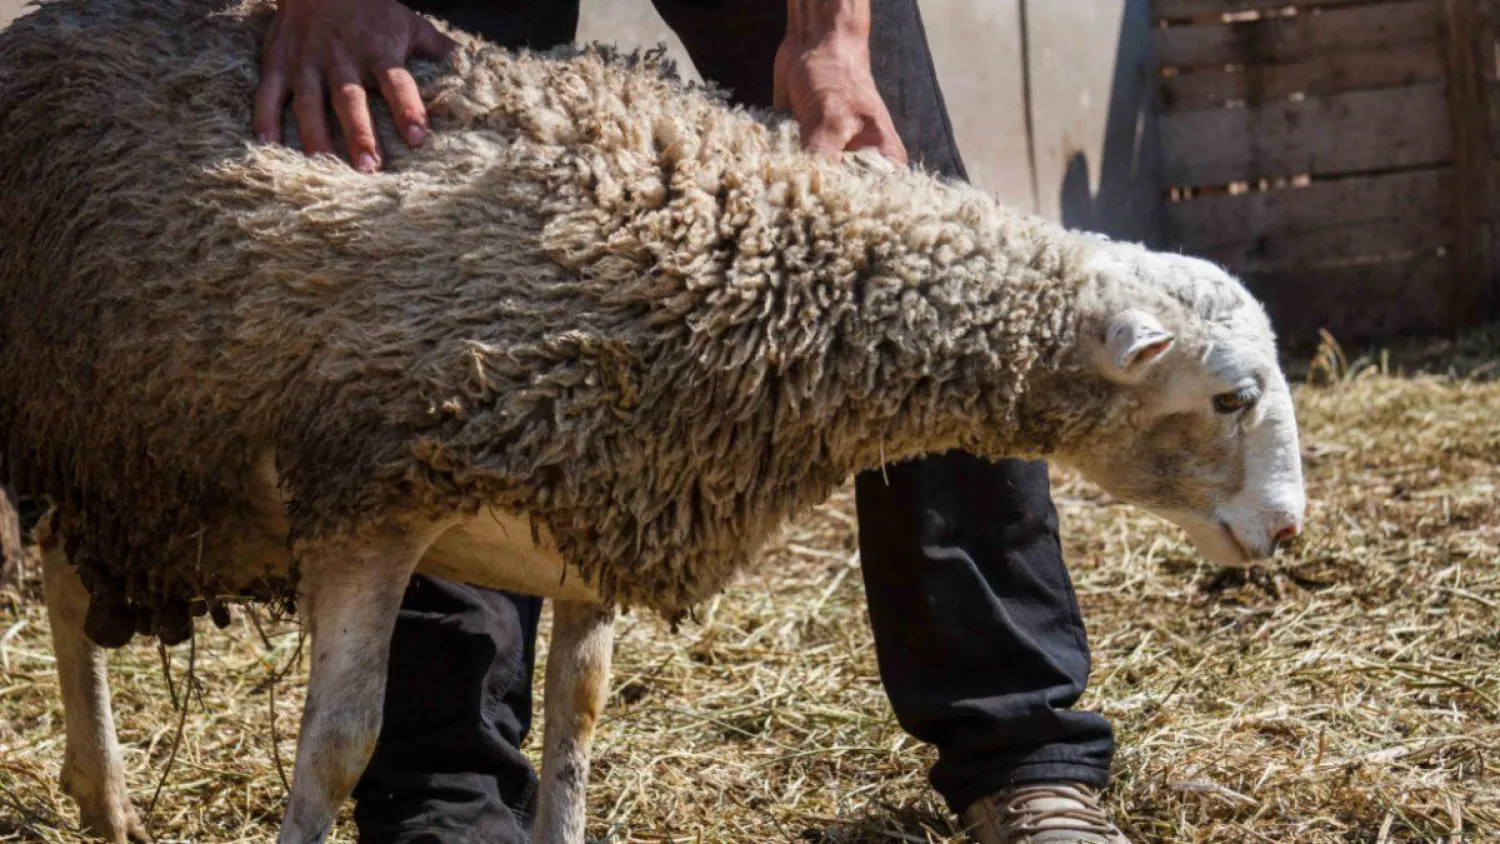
[1349, 692]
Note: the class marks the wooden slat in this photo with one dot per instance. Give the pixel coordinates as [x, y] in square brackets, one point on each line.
[1298, 37]
[1336, 245]
[1492, 102]
[1470, 36]
[1491, 305]
[1360, 131]
[1319, 76]
[1183, 9]
[1491, 72]
[1359, 301]
[1201, 225]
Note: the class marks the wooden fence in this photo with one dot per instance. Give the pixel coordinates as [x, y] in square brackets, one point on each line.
[1337, 155]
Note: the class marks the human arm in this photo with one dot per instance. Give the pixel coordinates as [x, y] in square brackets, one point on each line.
[823, 78]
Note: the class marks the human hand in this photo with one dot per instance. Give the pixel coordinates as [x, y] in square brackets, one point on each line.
[318, 48]
[823, 78]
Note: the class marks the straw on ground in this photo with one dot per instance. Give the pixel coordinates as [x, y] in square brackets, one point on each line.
[1350, 692]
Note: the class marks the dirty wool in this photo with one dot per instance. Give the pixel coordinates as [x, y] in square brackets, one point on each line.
[595, 295]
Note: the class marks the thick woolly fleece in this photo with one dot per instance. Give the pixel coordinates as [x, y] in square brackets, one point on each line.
[595, 295]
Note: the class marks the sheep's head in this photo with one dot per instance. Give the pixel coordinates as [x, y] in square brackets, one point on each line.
[1199, 426]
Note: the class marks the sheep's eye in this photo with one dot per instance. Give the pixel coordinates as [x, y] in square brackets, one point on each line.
[1236, 401]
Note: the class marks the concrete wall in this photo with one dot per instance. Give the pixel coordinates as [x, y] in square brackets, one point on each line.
[1082, 65]
[977, 47]
[9, 11]
[1093, 124]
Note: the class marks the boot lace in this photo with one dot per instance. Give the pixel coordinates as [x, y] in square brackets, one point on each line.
[1027, 811]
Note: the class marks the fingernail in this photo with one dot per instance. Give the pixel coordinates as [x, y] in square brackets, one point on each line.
[366, 163]
[415, 136]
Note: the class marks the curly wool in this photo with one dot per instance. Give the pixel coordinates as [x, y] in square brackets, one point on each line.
[595, 295]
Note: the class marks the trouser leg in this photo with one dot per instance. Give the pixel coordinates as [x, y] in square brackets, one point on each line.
[981, 647]
[538, 24]
[732, 43]
[447, 768]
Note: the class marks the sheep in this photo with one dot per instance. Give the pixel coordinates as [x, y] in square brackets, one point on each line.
[595, 340]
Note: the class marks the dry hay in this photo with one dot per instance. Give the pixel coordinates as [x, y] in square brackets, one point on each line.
[1350, 692]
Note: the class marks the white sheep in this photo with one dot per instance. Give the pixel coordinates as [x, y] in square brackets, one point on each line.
[595, 340]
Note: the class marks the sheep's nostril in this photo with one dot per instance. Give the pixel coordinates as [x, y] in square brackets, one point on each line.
[1287, 534]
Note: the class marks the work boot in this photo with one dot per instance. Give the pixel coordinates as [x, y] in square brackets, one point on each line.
[1042, 813]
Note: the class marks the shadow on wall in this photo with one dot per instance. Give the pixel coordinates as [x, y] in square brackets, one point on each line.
[1128, 204]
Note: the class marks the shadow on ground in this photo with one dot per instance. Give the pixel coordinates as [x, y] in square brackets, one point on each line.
[889, 823]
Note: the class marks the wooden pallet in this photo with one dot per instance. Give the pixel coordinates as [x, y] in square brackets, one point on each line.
[1337, 154]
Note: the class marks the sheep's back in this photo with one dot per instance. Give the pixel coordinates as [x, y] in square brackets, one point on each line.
[175, 303]
[596, 340]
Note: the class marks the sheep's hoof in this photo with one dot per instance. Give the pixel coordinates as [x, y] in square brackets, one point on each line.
[104, 809]
[116, 827]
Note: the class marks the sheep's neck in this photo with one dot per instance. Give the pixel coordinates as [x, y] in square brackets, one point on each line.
[833, 316]
[958, 312]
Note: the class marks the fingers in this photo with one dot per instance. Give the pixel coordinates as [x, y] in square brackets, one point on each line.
[400, 89]
[426, 41]
[400, 92]
[780, 99]
[890, 144]
[824, 141]
[834, 131]
[881, 136]
[829, 134]
[307, 104]
[893, 149]
[332, 55]
[270, 97]
[352, 108]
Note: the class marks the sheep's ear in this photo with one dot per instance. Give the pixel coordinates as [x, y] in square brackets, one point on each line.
[1133, 341]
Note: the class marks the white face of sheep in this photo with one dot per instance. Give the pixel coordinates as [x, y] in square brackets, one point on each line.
[1205, 433]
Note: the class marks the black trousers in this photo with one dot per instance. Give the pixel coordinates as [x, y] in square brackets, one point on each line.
[977, 629]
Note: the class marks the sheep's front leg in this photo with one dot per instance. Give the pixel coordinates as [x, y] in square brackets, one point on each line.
[351, 590]
[583, 636]
[93, 773]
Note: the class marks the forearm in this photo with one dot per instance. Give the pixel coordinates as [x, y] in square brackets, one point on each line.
[817, 21]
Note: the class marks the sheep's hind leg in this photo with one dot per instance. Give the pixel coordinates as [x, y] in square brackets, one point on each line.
[583, 637]
[93, 772]
[10, 537]
[351, 591]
